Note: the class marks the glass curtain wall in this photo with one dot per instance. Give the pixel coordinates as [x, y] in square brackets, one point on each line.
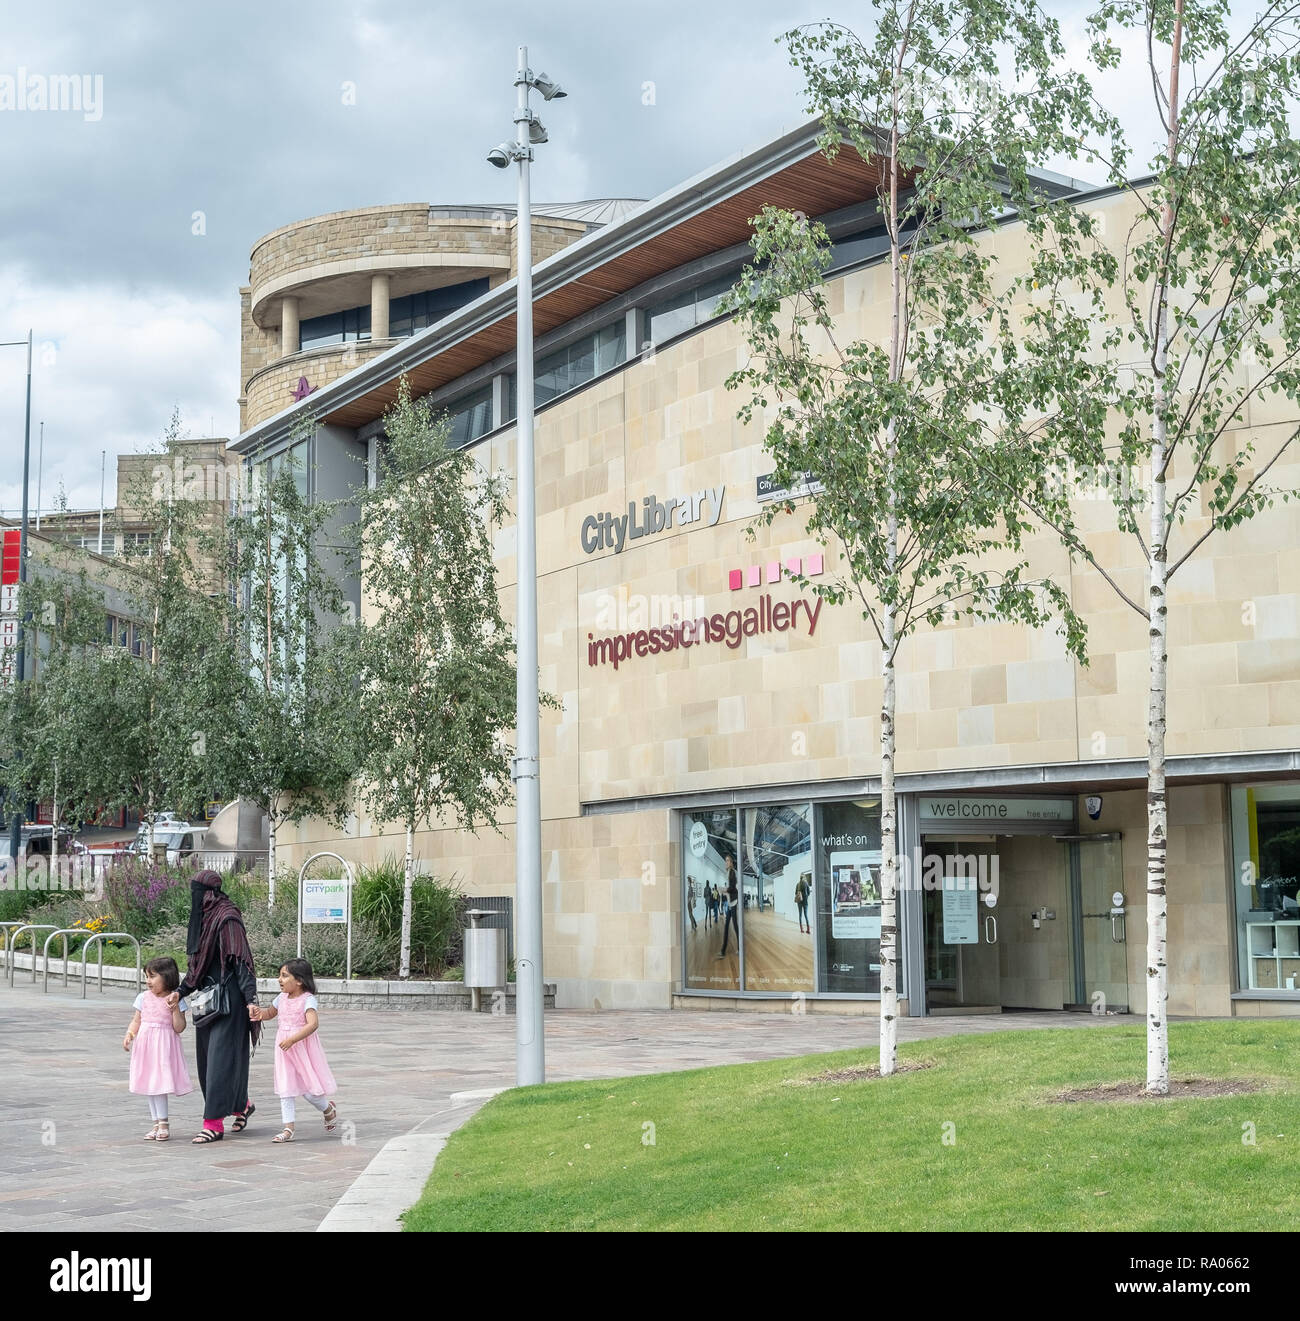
[570, 367]
[470, 417]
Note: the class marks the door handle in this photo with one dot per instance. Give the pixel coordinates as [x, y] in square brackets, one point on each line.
[990, 938]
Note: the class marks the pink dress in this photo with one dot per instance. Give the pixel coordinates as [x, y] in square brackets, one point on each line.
[301, 1070]
[157, 1060]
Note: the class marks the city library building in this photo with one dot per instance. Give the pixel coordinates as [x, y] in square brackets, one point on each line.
[719, 723]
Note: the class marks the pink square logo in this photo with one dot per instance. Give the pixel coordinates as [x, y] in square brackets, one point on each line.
[815, 565]
[774, 571]
[755, 576]
[792, 566]
[736, 579]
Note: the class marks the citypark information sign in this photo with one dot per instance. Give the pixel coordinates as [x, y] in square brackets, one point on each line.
[326, 900]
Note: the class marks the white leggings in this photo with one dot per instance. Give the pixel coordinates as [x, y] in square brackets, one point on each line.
[287, 1112]
[158, 1107]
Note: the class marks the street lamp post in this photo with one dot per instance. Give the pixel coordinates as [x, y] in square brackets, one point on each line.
[16, 822]
[530, 1040]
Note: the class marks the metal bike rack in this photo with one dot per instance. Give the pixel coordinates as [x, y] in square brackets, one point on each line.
[54, 935]
[8, 929]
[13, 941]
[85, 949]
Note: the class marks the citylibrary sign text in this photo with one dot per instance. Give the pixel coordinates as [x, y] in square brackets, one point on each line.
[611, 531]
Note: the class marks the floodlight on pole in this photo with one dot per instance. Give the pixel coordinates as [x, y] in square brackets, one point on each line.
[530, 1044]
[550, 90]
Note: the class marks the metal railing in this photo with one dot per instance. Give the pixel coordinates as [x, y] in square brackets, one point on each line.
[8, 928]
[13, 941]
[65, 932]
[92, 937]
[85, 949]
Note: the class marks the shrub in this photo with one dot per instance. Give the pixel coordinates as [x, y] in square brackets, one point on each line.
[436, 922]
[14, 905]
[143, 896]
[437, 909]
[325, 948]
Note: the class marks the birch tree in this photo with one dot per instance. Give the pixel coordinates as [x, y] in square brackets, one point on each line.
[46, 716]
[915, 440]
[140, 719]
[1208, 323]
[436, 660]
[180, 678]
[296, 714]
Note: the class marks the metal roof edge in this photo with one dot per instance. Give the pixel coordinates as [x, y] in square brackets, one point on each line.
[672, 207]
[1023, 779]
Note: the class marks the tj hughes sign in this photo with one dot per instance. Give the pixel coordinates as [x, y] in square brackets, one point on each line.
[613, 531]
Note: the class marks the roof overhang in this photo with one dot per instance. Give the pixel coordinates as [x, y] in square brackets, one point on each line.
[704, 214]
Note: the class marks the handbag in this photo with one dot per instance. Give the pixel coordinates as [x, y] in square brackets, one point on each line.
[210, 1003]
[213, 1001]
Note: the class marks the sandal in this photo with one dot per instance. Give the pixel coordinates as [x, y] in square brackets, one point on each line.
[285, 1134]
[208, 1135]
[164, 1131]
[241, 1120]
[331, 1117]
[152, 1134]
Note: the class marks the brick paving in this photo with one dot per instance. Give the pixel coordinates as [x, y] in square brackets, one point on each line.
[71, 1154]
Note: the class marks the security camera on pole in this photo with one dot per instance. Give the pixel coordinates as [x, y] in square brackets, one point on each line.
[530, 1048]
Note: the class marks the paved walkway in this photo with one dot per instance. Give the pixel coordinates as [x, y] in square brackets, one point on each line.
[71, 1155]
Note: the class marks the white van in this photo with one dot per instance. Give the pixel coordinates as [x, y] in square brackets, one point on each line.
[181, 838]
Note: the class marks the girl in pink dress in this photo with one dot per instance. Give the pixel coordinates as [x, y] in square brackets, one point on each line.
[154, 1042]
[300, 1065]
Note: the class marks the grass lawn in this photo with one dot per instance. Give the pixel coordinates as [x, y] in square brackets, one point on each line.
[746, 1147]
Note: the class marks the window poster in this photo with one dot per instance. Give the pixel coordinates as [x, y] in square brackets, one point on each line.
[847, 912]
[855, 894]
[961, 897]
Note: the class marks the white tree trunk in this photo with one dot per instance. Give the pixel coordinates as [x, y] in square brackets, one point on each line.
[1158, 657]
[1157, 805]
[888, 865]
[54, 831]
[408, 881]
[888, 801]
[270, 861]
[1157, 820]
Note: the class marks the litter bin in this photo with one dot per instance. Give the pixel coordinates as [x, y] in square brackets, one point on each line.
[485, 954]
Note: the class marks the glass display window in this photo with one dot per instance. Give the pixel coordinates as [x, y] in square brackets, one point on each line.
[1266, 853]
[711, 920]
[848, 908]
[777, 899]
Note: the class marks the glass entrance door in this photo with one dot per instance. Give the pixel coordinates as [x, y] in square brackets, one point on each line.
[962, 958]
[1099, 936]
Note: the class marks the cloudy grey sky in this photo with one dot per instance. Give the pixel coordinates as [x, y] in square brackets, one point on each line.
[238, 112]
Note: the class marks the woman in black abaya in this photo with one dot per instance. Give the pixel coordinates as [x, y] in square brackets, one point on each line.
[217, 945]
